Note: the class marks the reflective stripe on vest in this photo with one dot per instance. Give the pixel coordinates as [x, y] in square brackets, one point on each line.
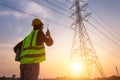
[31, 53]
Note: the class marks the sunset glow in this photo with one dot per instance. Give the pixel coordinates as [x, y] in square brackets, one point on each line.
[76, 68]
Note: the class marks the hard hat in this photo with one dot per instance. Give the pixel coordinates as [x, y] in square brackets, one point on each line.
[36, 21]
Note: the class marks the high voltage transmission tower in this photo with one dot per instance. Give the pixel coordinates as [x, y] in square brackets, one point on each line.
[82, 48]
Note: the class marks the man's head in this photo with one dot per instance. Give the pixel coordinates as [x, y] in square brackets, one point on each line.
[37, 23]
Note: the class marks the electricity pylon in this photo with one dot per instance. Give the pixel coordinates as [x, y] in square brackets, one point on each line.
[117, 71]
[82, 48]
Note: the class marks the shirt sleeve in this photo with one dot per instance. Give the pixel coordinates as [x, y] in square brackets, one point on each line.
[41, 37]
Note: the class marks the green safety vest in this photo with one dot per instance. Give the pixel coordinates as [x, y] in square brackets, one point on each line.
[30, 52]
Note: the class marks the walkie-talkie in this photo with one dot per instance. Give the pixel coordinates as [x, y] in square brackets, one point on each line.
[47, 27]
[47, 33]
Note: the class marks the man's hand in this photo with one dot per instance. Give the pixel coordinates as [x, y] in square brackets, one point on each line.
[47, 33]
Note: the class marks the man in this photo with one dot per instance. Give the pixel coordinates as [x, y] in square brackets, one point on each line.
[33, 51]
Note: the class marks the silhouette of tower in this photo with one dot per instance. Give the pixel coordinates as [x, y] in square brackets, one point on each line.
[117, 71]
[82, 48]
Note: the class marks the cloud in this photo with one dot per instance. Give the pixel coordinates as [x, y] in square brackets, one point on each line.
[28, 7]
[38, 10]
[14, 13]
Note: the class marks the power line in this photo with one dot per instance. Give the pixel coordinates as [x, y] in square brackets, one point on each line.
[21, 11]
[98, 36]
[58, 6]
[61, 3]
[50, 8]
[104, 34]
[106, 29]
[101, 45]
[42, 18]
[102, 26]
[106, 49]
[69, 1]
[104, 21]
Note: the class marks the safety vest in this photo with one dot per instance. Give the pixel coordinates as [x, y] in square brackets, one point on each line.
[30, 52]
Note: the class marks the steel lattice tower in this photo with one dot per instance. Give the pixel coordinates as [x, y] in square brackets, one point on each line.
[82, 48]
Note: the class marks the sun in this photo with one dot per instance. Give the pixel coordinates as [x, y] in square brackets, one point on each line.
[76, 67]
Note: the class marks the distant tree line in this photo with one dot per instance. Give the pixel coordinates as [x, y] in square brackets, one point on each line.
[63, 78]
[9, 78]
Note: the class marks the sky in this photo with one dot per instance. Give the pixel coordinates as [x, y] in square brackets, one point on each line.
[15, 23]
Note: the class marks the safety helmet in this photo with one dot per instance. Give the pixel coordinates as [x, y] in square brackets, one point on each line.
[36, 21]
